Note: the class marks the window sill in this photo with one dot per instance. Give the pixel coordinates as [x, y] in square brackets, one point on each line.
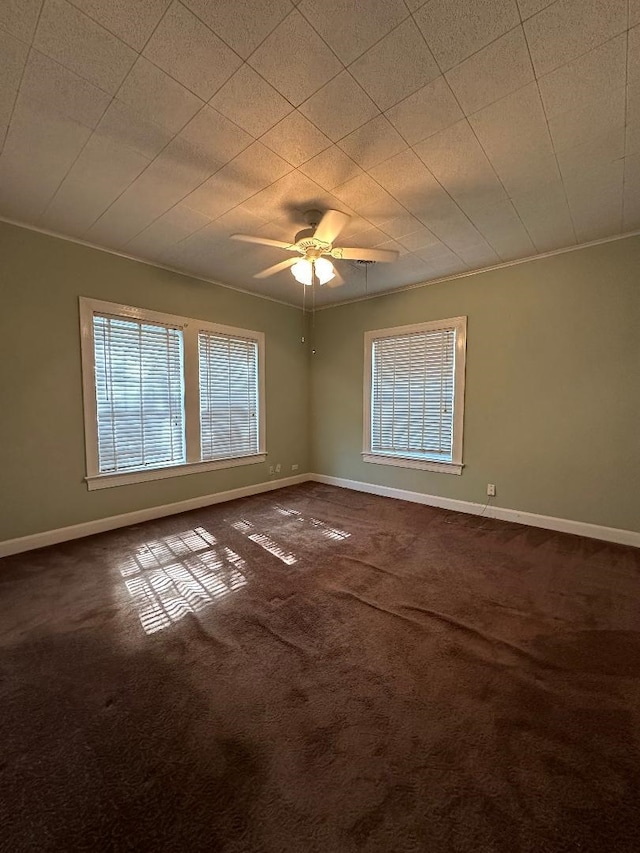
[123, 478]
[412, 462]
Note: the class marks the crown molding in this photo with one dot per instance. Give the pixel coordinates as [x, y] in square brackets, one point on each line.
[48, 233]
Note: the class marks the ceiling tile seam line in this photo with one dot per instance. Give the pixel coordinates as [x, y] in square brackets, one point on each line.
[24, 68]
[322, 39]
[114, 97]
[101, 24]
[466, 273]
[117, 253]
[217, 35]
[577, 56]
[360, 55]
[466, 118]
[553, 147]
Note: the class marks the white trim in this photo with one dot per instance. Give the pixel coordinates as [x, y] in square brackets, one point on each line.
[48, 233]
[466, 273]
[101, 525]
[459, 325]
[190, 328]
[505, 264]
[532, 519]
[122, 478]
[410, 462]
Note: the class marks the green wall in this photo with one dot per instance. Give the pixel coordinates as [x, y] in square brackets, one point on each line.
[42, 462]
[552, 413]
[552, 406]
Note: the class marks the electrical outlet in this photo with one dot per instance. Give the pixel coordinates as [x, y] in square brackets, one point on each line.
[278, 468]
[294, 467]
[270, 470]
[491, 490]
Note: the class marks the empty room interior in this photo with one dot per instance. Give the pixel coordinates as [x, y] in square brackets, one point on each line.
[320, 430]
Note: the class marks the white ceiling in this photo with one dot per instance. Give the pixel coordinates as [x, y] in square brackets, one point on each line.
[462, 133]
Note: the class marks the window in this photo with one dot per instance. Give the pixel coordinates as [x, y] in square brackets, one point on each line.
[166, 395]
[414, 395]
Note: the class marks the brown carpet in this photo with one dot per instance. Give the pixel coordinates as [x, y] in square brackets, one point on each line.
[321, 670]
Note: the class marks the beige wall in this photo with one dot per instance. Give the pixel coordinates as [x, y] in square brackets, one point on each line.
[42, 461]
[552, 413]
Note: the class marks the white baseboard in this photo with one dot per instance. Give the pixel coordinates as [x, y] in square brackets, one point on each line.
[549, 522]
[101, 525]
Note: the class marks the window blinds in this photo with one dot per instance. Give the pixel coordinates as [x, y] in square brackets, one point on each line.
[228, 395]
[412, 388]
[139, 394]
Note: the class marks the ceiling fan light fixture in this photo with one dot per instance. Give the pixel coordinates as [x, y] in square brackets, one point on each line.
[303, 270]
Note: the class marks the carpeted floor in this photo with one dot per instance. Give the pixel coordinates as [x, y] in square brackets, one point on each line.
[317, 670]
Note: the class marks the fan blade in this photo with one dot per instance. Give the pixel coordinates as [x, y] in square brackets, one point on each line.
[264, 241]
[331, 225]
[383, 256]
[337, 279]
[277, 268]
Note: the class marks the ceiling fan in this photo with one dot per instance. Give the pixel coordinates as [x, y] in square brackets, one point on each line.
[313, 243]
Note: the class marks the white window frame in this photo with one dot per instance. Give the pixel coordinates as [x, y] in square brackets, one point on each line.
[190, 328]
[459, 324]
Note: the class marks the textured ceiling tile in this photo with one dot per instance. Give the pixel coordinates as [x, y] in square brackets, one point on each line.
[339, 107]
[13, 55]
[50, 87]
[38, 152]
[115, 15]
[196, 159]
[513, 126]
[545, 214]
[309, 62]
[585, 79]
[583, 159]
[370, 200]
[251, 102]
[331, 168]
[155, 95]
[456, 159]
[632, 139]
[522, 173]
[372, 143]
[407, 178]
[532, 7]
[420, 239]
[478, 256]
[124, 125]
[187, 50]
[633, 71]
[451, 226]
[103, 170]
[295, 139]
[494, 72]
[596, 202]
[252, 170]
[214, 136]
[634, 12]
[351, 26]
[402, 226]
[456, 30]
[75, 41]
[395, 67]
[170, 228]
[427, 111]
[19, 17]
[294, 191]
[590, 121]
[569, 28]
[502, 228]
[242, 24]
